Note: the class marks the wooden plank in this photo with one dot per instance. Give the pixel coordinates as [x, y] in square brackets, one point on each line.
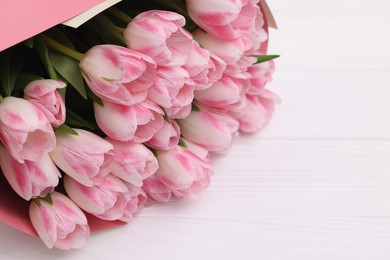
[268, 200]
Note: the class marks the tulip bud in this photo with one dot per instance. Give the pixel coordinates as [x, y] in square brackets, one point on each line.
[185, 171]
[160, 35]
[24, 130]
[211, 130]
[30, 179]
[132, 162]
[113, 199]
[59, 222]
[44, 95]
[167, 137]
[117, 74]
[137, 123]
[85, 157]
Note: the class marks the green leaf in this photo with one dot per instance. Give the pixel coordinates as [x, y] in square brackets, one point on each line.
[75, 120]
[48, 199]
[62, 92]
[102, 26]
[166, 117]
[264, 58]
[93, 97]
[195, 108]
[43, 52]
[24, 79]
[69, 69]
[182, 143]
[60, 37]
[37, 202]
[29, 43]
[11, 64]
[66, 129]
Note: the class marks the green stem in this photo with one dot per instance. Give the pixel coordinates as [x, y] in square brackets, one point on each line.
[120, 14]
[1, 98]
[62, 48]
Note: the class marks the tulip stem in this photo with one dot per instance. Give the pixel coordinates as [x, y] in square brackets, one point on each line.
[120, 14]
[62, 48]
[1, 98]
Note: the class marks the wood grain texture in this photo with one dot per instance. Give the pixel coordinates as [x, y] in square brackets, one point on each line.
[315, 184]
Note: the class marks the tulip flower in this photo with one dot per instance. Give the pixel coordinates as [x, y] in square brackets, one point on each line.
[227, 92]
[160, 35]
[261, 74]
[85, 157]
[211, 130]
[229, 19]
[198, 66]
[178, 111]
[229, 50]
[156, 190]
[59, 222]
[29, 179]
[169, 82]
[117, 74]
[44, 95]
[167, 137]
[132, 162]
[24, 130]
[110, 200]
[137, 123]
[185, 171]
[137, 199]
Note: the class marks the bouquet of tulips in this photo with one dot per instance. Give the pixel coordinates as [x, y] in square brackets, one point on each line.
[123, 112]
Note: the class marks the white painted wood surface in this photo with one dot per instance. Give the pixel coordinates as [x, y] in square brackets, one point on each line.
[315, 184]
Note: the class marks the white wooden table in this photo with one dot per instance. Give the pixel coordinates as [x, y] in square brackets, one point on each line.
[315, 184]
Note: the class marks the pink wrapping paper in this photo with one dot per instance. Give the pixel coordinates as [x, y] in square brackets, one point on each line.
[13, 209]
[22, 19]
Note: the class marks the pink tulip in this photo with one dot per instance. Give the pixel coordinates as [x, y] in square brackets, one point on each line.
[182, 103]
[257, 111]
[169, 81]
[30, 179]
[229, 19]
[160, 35]
[229, 50]
[118, 74]
[44, 95]
[211, 130]
[156, 190]
[132, 162]
[268, 99]
[137, 123]
[185, 172]
[201, 67]
[261, 74]
[85, 157]
[228, 92]
[178, 111]
[110, 200]
[166, 138]
[217, 70]
[24, 130]
[59, 224]
[137, 199]
[240, 69]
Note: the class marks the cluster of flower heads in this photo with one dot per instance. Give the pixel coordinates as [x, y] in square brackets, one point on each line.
[166, 100]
